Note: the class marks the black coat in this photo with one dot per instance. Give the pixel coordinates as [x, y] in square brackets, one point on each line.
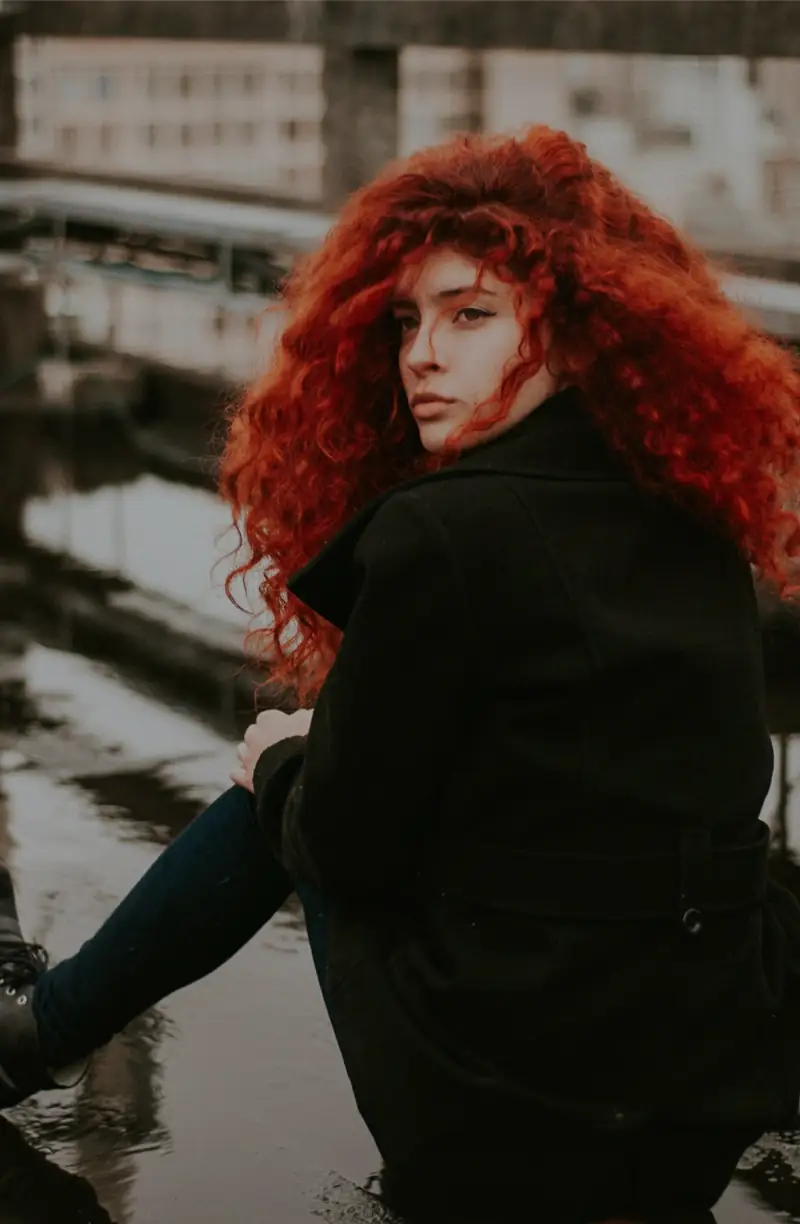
[531, 793]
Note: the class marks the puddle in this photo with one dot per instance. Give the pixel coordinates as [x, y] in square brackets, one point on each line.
[227, 1102]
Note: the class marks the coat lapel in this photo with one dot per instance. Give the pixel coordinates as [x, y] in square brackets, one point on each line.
[328, 584]
[558, 441]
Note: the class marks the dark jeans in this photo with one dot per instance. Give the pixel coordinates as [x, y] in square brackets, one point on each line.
[202, 899]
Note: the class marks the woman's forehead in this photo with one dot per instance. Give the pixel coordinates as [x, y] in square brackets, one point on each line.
[442, 270]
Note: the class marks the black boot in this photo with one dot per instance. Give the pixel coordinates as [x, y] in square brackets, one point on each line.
[23, 1069]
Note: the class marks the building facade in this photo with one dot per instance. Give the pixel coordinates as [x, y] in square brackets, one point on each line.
[239, 114]
[712, 143]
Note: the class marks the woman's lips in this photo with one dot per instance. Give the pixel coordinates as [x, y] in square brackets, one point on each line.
[430, 408]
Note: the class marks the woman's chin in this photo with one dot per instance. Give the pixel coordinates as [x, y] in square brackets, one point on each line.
[433, 434]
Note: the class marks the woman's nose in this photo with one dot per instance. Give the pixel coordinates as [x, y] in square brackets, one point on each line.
[422, 354]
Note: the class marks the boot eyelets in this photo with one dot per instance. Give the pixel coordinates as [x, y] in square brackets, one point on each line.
[22, 1000]
[10, 991]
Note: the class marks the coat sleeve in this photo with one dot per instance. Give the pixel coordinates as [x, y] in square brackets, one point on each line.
[356, 800]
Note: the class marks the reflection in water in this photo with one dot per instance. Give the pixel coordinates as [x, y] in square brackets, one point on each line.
[111, 745]
[780, 814]
[112, 1117]
[85, 450]
[82, 488]
[146, 800]
[117, 1113]
[35, 1190]
[114, 1113]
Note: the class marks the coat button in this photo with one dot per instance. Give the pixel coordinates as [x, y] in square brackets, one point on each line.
[693, 921]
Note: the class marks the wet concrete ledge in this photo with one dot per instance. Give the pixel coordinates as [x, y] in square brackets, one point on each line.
[202, 669]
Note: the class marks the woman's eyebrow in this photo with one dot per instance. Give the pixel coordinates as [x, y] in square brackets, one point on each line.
[446, 293]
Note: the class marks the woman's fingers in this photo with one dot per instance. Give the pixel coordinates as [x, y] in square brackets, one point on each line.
[240, 778]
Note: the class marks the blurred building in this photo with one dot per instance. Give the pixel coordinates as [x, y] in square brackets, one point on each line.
[243, 114]
[780, 81]
[713, 143]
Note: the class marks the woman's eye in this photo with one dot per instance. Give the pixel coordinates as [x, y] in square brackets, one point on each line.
[471, 314]
[473, 310]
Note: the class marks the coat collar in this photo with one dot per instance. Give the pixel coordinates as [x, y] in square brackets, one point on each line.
[557, 441]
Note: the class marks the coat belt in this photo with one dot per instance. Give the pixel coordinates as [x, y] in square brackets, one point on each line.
[695, 878]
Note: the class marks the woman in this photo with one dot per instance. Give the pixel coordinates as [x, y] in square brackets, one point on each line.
[505, 480]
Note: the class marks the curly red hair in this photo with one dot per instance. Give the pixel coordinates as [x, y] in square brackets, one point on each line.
[702, 405]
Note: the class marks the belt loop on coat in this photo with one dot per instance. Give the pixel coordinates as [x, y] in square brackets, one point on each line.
[694, 850]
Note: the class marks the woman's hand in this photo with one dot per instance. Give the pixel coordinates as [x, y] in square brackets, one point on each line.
[270, 727]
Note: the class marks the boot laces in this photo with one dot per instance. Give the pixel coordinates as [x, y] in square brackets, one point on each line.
[22, 964]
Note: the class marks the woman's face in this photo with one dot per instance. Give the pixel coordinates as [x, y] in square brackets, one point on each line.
[457, 343]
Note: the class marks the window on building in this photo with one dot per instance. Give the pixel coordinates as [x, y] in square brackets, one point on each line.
[151, 135]
[67, 142]
[187, 135]
[106, 138]
[186, 85]
[104, 85]
[587, 100]
[249, 133]
[216, 133]
[782, 186]
[299, 130]
[251, 82]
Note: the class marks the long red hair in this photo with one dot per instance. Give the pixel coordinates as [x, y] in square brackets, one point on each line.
[701, 404]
